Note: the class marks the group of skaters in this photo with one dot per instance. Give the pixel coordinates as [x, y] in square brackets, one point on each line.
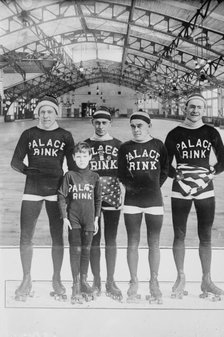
[91, 189]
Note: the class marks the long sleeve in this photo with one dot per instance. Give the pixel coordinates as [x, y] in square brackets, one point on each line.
[62, 195]
[123, 174]
[97, 197]
[170, 146]
[69, 151]
[164, 165]
[20, 153]
[218, 149]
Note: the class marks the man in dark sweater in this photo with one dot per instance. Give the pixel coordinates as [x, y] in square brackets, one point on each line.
[104, 161]
[143, 168]
[45, 145]
[190, 144]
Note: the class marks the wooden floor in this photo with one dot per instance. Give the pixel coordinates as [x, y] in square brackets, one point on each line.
[12, 185]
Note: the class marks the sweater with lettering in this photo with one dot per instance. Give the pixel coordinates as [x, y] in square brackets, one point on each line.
[79, 198]
[191, 148]
[104, 162]
[45, 151]
[143, 168]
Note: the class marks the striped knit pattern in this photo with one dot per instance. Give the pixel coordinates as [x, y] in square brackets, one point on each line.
[193, 179]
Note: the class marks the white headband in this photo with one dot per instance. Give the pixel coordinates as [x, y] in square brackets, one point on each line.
[46, 103]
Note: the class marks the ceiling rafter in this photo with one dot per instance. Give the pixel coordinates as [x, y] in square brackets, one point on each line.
[127, 35]
[153, 42]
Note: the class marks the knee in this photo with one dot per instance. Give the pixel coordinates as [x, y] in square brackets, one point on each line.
[133, 246]
[25, 239]
[205, 241]
[76, 250]
[110, 242]
[57, 238]
[153, 244]
[179, 236]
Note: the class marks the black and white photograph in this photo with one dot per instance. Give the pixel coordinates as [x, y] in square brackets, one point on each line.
[112, 168]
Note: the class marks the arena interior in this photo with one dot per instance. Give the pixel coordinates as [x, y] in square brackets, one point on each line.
[126, 55]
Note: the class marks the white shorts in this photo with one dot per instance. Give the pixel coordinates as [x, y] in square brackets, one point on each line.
[156, 210]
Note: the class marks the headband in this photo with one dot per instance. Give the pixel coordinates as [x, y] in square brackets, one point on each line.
[47, 100]
[197, 96]
[141, 115]
[102, 114]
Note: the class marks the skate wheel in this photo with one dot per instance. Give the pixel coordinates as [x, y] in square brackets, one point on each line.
[134, 299]
[120, 298]
[203, 295]
[64, 297]
[216, 298]
[31, 294]
[87, 298]
[159, 301]
[21, 298]
[76, 301]
[179, 296]
[185, 293]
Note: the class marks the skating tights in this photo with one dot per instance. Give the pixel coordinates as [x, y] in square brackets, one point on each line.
[30, 211]
[205, 209]
[111, 220]
[79, 249]
[133, 226]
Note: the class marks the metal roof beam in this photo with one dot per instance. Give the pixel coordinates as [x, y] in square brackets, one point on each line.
[126, 41]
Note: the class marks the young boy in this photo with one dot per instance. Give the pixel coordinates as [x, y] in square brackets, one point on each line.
[79, 200]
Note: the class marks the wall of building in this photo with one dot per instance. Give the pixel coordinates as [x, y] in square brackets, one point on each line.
[118, 98]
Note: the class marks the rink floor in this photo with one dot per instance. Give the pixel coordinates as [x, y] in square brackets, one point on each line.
[43, 316]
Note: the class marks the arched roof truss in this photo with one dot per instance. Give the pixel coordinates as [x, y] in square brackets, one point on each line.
[157, 47]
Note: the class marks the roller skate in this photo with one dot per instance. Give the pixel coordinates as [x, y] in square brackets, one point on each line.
[96, 287]
[59, 291]
[113, 291]
[208, 287]
[133, 296]
[86, 290]
[155, 293]
[76, 297]
[24, 290]
[178, 287]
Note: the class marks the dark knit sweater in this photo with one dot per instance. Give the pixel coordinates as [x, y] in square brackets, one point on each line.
[193, 148]
[45, 151]
[143, 168]
[80, 198]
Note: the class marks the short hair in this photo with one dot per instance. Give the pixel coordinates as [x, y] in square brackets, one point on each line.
[82, 147]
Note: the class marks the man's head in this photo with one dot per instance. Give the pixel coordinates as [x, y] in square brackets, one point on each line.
[101, 121]
[195, 107]
[47, 109]
[82, 154]
[140, 123]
